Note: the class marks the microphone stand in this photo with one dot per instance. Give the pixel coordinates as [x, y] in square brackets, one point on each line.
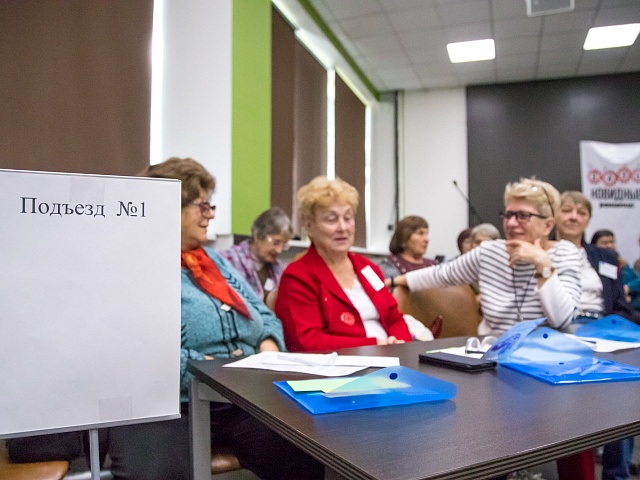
[471, 207]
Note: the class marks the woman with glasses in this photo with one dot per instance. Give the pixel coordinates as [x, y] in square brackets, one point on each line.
[524, 277]
[221, 316]
[257, 259]
[331, 298]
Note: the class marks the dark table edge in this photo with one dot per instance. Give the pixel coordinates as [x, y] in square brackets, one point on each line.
[479, 471]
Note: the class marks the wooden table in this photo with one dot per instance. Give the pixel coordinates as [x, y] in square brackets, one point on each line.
[499, 421]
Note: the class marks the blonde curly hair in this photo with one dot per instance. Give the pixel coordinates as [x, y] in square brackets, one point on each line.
[321, 193]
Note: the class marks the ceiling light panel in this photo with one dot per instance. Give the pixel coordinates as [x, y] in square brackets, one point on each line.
[612, 36]
[473, 51]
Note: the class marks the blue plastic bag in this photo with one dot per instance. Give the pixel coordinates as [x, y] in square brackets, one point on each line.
[553, 357]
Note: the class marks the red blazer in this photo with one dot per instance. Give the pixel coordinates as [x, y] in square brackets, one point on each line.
[316, 313]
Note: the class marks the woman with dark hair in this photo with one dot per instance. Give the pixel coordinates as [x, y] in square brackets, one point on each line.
[464, 241]
[408, 247]
[221, 316]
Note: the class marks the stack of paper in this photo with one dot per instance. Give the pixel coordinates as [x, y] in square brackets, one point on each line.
[327, 365]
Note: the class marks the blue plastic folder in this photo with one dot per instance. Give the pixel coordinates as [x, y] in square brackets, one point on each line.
[552, 357]
[611, 327]
[386, 387]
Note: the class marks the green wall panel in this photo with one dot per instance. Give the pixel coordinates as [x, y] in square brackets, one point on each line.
[250, 112]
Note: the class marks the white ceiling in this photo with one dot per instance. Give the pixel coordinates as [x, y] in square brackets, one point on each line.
[401, 44]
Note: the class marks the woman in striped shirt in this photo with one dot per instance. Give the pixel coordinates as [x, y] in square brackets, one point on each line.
[524, 277]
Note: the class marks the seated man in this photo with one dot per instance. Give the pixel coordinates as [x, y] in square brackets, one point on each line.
[630, 278]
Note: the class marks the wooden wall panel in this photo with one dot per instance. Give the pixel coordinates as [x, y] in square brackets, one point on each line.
[75, 85]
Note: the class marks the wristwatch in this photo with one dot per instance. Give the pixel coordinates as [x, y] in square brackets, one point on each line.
[546, 272]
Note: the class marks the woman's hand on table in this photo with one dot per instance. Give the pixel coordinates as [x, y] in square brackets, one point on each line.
[389, 340]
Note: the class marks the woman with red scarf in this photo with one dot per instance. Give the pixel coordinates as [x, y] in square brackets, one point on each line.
[221, 316]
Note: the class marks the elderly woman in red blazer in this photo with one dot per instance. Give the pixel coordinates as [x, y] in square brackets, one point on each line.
[331, 298]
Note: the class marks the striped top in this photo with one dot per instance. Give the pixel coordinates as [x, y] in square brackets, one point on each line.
[505, 290]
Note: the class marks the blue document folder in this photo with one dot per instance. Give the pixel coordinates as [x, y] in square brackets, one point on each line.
[552, 357]
[611, 327]
[594, 370]
[386, 387]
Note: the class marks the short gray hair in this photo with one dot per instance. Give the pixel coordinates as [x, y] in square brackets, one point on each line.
[271, 222]
[487, 229]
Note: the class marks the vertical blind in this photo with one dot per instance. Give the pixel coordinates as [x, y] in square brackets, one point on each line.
[299, 126]
[283, 44]
[299, 118]
[75, 85]
[350, 153]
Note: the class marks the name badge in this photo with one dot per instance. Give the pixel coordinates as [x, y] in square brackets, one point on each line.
[608, 270]
[372, 278]
[269, 285]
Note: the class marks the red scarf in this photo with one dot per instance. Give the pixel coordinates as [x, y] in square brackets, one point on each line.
[211, 280]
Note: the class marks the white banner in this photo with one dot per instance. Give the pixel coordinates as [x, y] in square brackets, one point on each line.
[611, 181]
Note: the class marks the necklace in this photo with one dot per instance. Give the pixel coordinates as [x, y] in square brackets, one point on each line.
[519, 301]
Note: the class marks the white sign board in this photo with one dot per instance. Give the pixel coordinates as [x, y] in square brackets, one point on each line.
[89, 301]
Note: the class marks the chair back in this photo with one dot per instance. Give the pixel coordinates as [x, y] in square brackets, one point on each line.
[30, 471]
[458, 307]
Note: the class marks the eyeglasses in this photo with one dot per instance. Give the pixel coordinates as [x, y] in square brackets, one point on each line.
[205, 207]
[475, 345]
[520, 215]
[549, 200]
[277, 243]
[535, 188]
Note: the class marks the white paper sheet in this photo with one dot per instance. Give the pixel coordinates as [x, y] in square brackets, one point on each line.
[457, 351]
[327, 365]
[600, 345]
